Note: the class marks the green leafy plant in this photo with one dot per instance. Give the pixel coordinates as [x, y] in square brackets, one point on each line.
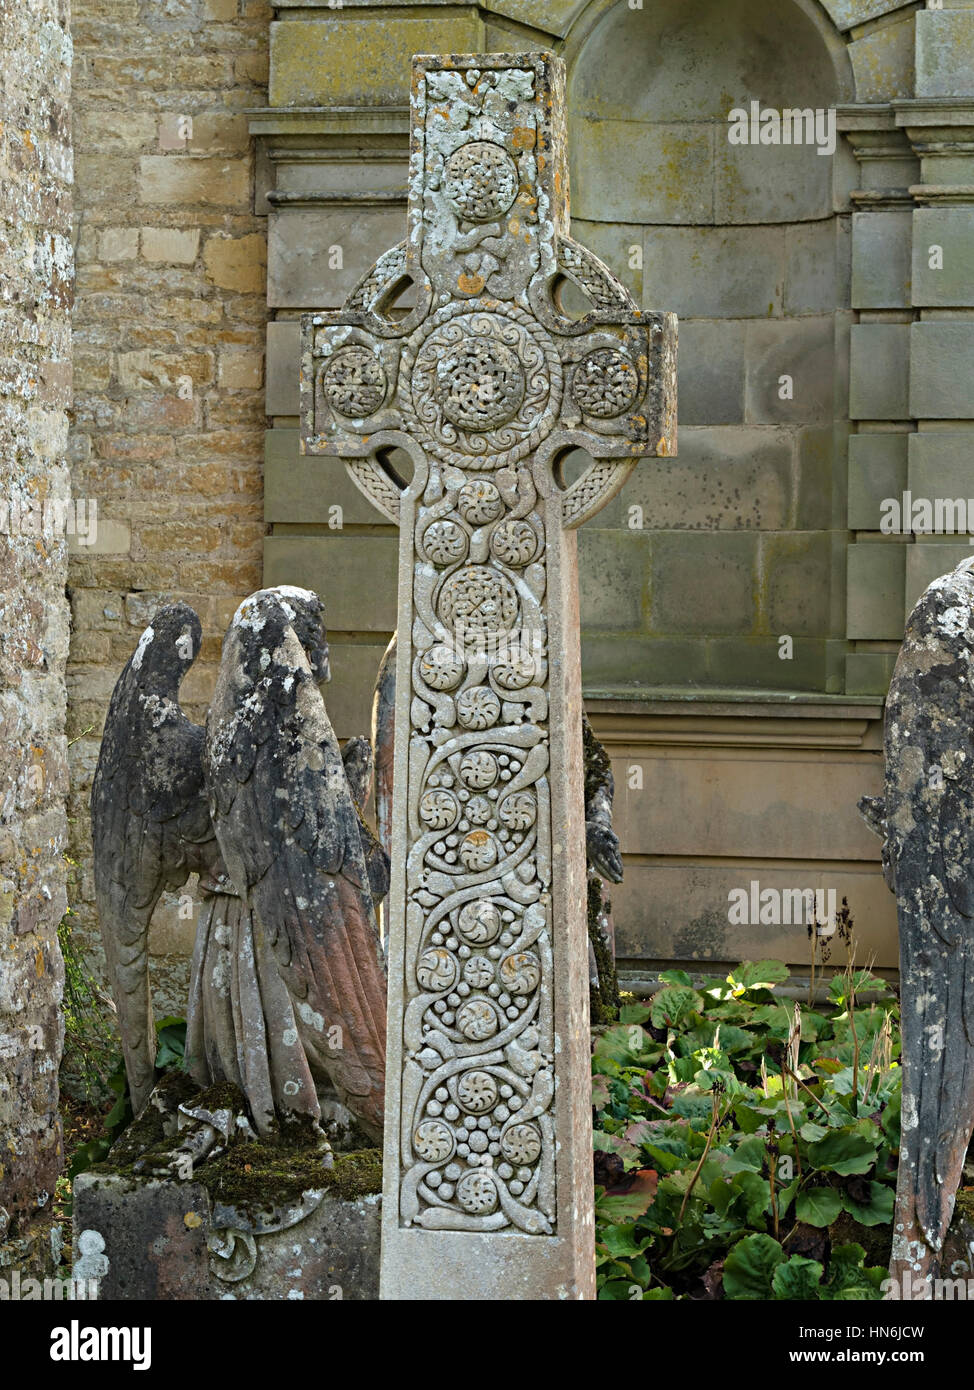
[170, 1053]
[746, 1147]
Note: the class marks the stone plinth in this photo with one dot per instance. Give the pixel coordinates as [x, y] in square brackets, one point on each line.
[161, 1239]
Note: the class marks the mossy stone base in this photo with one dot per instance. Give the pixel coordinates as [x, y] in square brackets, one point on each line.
[239, 1235]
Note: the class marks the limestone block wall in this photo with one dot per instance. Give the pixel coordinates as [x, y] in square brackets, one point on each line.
[169, 351]
[35, 379]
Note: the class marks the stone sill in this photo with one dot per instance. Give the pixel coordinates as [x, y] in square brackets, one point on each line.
[718, 700]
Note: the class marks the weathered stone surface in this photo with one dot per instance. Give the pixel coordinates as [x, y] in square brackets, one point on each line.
[37, 273]
[883, 62]
[616, 171]
[719, 272]
[943, 279]
[876, 581]
[925, 821]
[877, 471]
[944, 52]
[880, 372]
[881, 259]
[485, 383]
[941, 369]
[163, 1239]
[329, 61]
[357, 572]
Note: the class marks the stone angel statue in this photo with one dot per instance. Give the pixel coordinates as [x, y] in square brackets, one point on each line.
[926, 821]
[288, 992]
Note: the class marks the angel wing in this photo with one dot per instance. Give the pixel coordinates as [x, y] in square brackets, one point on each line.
[150, 820]
[928, 815]
[289, 832]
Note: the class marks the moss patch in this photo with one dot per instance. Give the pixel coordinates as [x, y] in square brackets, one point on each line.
[257, 1176]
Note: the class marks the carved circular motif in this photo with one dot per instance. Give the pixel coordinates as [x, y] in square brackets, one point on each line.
[481, 386]
[480, 922]
[481, 181]
[478, 769]
[478, 708]
[433, 1141]
[521, 1143]
[477, 1092]
[478, 972]
[479, 502]
[514, 543]
[478, 810]
[439, 809]
[477, 1192]
[606, 383]
[518, 811]
[478, 851]
[441, 667]
[520, 973]
[444, 542]
[479, 599]
[354, 382]
[477, 1020]
[515, 670]
[437, 970]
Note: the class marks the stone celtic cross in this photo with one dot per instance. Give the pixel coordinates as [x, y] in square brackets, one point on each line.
[486, 383]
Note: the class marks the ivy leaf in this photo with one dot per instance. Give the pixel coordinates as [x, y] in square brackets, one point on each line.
[844, 1152]
[600, 1091]
[818, 1206]
[750, 1267]
[877, 1211]
[799, 1279]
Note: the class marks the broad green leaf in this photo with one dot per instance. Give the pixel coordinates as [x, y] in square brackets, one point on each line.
[761, 974]
[799, 1279]
[750, 1267]
[818, 1206]
[628, 1206]
[676, 977]
[634, 1013]
[673, 1005]
[878, 1211]
[842, 1151]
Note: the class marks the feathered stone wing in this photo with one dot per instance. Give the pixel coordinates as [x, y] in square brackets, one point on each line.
[289, 833]
[929, 821]
[150, 820]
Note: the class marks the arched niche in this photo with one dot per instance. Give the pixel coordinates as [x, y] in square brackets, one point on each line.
[740, 539]
[650, 92]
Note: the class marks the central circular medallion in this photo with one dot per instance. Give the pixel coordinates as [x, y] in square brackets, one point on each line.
[480, 385]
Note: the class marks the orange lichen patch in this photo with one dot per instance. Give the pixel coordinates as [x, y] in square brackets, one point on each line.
[470, 284]
[524, 137]
[192, 1220]
[514, 226]
[39, 963]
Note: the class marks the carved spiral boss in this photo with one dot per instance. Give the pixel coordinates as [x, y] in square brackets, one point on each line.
[476, 381]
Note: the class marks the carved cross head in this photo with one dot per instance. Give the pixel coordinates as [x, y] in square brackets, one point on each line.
[486, 371]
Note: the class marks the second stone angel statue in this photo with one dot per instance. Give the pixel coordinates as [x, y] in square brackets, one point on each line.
[288, 992]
